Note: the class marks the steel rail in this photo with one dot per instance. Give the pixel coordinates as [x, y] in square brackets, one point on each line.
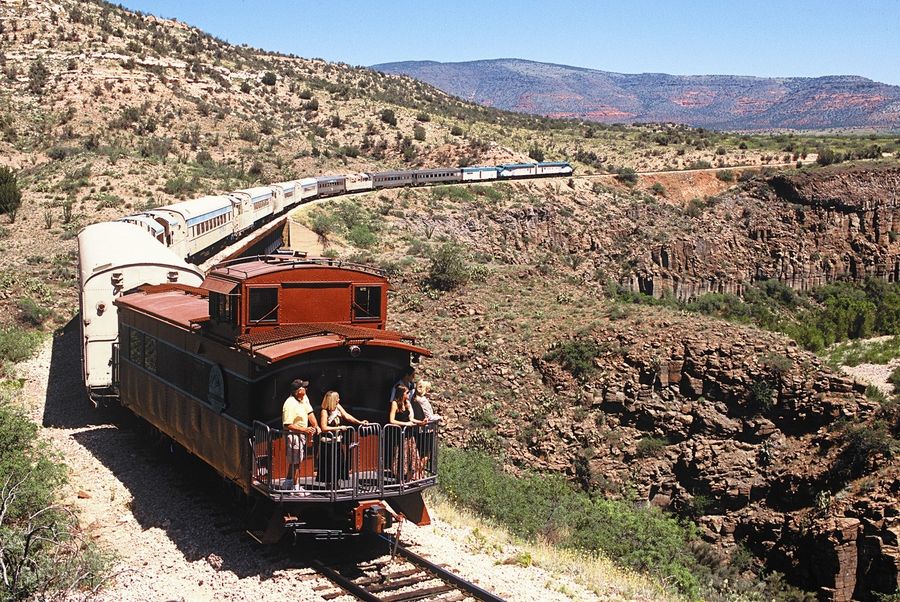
[442, 573]
[343, 582]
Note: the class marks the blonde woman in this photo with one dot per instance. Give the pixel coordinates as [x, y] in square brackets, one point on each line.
[422, 389]
[333, 465]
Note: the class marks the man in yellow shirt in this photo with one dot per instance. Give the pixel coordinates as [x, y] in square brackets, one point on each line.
[300, 423]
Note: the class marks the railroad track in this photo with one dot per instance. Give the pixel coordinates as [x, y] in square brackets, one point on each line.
[402, 576]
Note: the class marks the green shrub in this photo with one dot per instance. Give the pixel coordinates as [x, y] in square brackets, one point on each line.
[18, 344]
[576, 356]
[10, 195]
[449, 268]
[658, 189]
[32, 313]
[388, 116]
[536, 154]
[627, 176]
[641, 538]
[423, 117]
[361, 235]
[181, 186]
[456, 131]
[43, 553]
[269, 78]
[419, 133]
[651, 447]
[726, 175]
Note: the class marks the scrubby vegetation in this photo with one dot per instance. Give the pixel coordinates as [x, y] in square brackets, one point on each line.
[42, 554]
[831, 314]
[537, 505]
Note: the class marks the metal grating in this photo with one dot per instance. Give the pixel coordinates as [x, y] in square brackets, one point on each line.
[313, 329]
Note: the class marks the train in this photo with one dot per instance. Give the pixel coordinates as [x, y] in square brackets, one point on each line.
[191, 227]
[208, 359]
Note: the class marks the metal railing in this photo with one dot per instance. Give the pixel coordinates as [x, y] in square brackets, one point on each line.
[359, 462]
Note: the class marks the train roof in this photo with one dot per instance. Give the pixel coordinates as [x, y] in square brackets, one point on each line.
[133, 246]
[286, 186]
[197, 207]
[187, 307]
[308, 181]
[242, 269]
[257, 192]
[479, 168]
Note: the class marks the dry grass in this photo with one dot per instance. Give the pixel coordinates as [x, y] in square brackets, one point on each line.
[597, 574]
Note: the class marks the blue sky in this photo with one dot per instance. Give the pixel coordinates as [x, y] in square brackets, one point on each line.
[737, 37]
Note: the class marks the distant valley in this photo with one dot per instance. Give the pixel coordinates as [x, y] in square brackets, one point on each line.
[713, 101]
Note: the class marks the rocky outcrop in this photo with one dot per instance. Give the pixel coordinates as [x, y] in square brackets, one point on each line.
[736, 428]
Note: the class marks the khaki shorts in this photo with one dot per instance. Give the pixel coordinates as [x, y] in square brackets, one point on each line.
[295, 447]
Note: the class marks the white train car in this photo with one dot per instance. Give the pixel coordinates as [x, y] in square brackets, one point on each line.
[557, 168]
[477, 174]
[518, 170]
[309, 188]
[113, 258]
[285, 193]
[259, 200]
[193, 226]
[357, 182]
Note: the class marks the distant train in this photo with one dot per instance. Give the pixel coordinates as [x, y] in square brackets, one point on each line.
[191, 227]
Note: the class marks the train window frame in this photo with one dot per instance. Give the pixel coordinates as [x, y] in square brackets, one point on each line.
[366, 303]
[270, 312]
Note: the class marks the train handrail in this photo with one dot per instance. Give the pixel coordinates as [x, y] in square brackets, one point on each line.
[359, 462]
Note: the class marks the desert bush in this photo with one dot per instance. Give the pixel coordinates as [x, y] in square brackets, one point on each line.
[181, 186]
[269, 78]
[245, 87]
[627, 176]
[38, 76]
[248, 134]
[651, 447]
[658, 189]
[31, 312]
[311, 105]
[419, 133]
[44, 555]
[361, 235]
[58, 153]
[10, 195]
[388, 116]
[576, 356]
[536, 153]
[423, 117]
[17, 344]
[456, 131]
[204, 158]
[725, 175]
[449, 268]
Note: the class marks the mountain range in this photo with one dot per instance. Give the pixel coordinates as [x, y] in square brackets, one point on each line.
[713, 101]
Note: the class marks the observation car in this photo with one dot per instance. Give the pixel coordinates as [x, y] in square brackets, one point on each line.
[103, 276]
[211, 366]
[358, 181]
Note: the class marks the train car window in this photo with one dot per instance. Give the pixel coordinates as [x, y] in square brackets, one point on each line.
[150, 353]
[263, 304]
[367, 303]
[136, 347]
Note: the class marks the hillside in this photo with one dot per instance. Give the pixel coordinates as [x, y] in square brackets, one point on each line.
[105, 112]
[715, 101]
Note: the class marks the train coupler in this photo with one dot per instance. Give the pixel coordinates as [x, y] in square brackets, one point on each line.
[373, 517]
